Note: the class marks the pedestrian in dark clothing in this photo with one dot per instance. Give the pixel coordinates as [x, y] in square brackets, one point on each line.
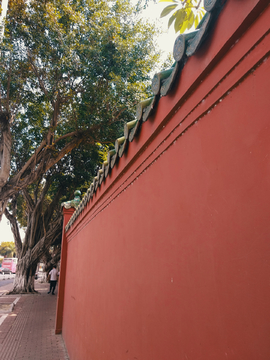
[53, 279]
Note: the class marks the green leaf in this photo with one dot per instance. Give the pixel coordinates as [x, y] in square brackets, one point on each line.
[171, 20]
[189, 14]
[181, 14]
[167, 10]
[183, 27]
[196, 22]
[201, 12]
[190, 20]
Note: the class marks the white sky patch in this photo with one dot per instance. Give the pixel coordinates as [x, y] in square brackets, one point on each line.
[166, 40]
[5, 231]
[4, 11]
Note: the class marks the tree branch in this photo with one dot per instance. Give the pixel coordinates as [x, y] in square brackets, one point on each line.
[43, 157]
[29, 201]
[41, 83]
[5, 148]
[14, 228]
[51, 208]
[46, 241]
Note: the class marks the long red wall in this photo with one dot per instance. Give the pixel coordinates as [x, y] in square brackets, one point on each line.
[171, 258]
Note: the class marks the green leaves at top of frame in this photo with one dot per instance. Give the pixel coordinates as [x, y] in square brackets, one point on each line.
[167, 10]
[188, 14]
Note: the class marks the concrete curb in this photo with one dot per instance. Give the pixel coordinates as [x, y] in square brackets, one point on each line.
[7, 307]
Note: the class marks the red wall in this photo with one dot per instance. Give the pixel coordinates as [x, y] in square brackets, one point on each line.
[171, 259]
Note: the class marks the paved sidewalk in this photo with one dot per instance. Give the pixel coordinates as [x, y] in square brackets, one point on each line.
[27, 331]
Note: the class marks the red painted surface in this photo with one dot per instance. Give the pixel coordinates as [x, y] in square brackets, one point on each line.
[67, 213]
[174, 249]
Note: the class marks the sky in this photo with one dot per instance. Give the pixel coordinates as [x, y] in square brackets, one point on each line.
[5, 232]
[4, 10]
[165, 41]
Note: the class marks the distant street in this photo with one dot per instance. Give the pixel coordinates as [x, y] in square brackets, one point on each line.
[6, 279]
[5, 282]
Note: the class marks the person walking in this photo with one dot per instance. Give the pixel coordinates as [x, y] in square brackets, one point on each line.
[53, 279]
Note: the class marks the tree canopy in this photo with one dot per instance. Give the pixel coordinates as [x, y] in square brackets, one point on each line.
[71, 73]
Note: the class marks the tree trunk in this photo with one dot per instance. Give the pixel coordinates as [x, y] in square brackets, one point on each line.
[5, 155]
[25, 276]
[5, 148]
[27, 262]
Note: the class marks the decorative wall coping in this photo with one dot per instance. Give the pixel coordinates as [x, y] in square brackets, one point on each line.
[185, 46]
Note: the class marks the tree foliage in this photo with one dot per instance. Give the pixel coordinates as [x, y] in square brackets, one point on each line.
[71, 73]
[184, 14]
[7, 249]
